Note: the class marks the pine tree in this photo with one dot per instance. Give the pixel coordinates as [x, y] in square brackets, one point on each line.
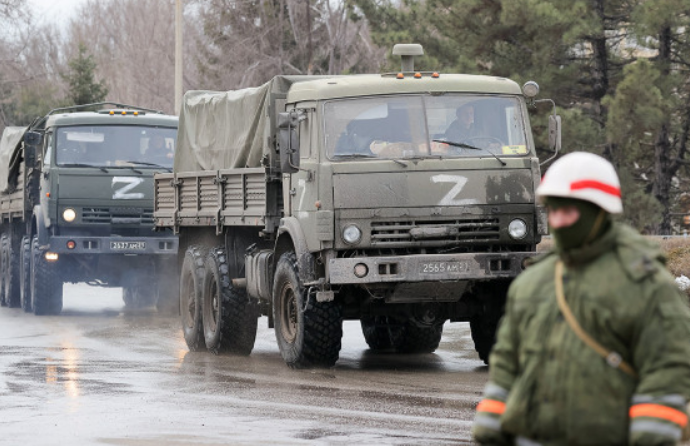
[83, 88]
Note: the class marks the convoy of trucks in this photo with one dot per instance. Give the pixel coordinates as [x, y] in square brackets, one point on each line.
[313, 200]
[76, 205]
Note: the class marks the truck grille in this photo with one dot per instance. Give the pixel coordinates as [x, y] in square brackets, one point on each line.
[396, 233]
[118, 216]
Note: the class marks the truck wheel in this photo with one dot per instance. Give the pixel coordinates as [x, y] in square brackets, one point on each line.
[308, 333]
[230, 320]
[191, 277]
[381, 332]
[420, 339]
[46, 286]
[3, 265]
[484, 324]
[25, 274]
[11, 274]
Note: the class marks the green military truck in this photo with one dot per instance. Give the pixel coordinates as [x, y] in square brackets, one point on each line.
[313, 200]
[76, 205]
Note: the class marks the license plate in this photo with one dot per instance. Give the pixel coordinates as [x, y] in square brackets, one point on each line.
[127, 246]
[442, 267]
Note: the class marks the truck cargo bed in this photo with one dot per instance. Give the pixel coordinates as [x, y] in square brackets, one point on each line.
[231, 197]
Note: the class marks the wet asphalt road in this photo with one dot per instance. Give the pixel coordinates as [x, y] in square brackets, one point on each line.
[99, 375]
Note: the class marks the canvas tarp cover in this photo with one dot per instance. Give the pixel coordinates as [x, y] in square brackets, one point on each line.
[225, 130]
[11, 138]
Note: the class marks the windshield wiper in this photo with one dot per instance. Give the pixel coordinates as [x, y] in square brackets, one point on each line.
[83, 165]
[143, 163]
[467, 146]
[354, 155]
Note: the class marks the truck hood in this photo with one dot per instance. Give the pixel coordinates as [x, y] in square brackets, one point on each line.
[432, 188]
[117, 185]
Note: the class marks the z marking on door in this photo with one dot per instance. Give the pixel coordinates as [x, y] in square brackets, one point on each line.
[123, 193]
[449, 198]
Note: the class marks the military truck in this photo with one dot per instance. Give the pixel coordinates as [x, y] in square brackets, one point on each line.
[313, 200]
[76, 205]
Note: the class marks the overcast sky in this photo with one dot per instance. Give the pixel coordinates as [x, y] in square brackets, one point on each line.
[55, 11]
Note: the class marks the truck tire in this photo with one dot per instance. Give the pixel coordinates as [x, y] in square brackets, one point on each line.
[46, 286]
[229, 318]
[25, 274]
[484, 324]
[191, 277]
[11, 274]
[484, 336]
[420, 339]
[382, 332]
[308, 333]
[3, 265]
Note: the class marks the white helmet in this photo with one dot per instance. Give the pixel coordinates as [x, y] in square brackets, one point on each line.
[584, 176]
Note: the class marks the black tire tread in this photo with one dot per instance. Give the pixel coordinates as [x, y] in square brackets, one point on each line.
[381, 332]
[47, 286]
[424, 339]
[194, 258]
[25, 274]
[238, 320]
[322, 323]
[12, 295]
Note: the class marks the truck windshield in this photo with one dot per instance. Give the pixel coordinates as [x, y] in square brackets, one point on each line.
[396, 127]
[115, 146]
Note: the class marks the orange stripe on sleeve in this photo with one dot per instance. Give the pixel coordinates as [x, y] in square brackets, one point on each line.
[491, 406]
[658, 411]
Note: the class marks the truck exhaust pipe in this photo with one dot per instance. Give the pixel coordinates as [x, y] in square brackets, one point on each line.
[407, 52]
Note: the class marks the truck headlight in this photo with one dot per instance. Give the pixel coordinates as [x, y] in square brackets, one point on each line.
[69, 214]
[352, 234]
[517, 229]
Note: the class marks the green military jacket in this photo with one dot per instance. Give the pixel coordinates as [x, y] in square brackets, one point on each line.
[553, 388]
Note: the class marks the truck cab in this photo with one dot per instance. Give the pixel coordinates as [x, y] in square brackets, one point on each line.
[88, 214]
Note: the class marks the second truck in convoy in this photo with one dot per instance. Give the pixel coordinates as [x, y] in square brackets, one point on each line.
[76, 205]
[401, 200]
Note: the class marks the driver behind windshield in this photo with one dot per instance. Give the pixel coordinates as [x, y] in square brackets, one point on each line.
[159, 152]
[462, 127]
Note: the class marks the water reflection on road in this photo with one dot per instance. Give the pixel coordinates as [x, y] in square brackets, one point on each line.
[99, 375]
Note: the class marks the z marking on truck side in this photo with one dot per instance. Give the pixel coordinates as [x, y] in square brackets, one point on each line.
[449, 198]
[123, 193]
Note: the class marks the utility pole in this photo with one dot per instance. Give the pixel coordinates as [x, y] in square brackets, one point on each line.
[178, 56]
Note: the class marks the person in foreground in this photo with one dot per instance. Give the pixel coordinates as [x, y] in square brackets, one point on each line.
[594, 346]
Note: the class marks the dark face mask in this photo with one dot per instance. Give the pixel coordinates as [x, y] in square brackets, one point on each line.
[593, 221]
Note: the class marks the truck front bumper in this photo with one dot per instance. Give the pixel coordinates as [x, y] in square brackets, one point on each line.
[426, 268]
[113, 245]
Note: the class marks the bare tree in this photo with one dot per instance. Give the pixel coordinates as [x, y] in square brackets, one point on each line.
[133, 42]
[247, 42]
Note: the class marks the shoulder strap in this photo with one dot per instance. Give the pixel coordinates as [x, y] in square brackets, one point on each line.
[612, 358]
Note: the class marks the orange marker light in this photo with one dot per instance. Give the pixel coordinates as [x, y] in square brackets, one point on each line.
[124, 112]
[48, 194]
[400, 76]
[418, 75]
[112, 112]
[136, 113]
[435, 75]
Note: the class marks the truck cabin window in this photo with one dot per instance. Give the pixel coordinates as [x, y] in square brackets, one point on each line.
[448, 126]
[113, 146]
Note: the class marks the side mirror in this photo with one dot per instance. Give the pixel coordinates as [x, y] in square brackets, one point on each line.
[33, 138]
[288, 140]
[555, 132]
